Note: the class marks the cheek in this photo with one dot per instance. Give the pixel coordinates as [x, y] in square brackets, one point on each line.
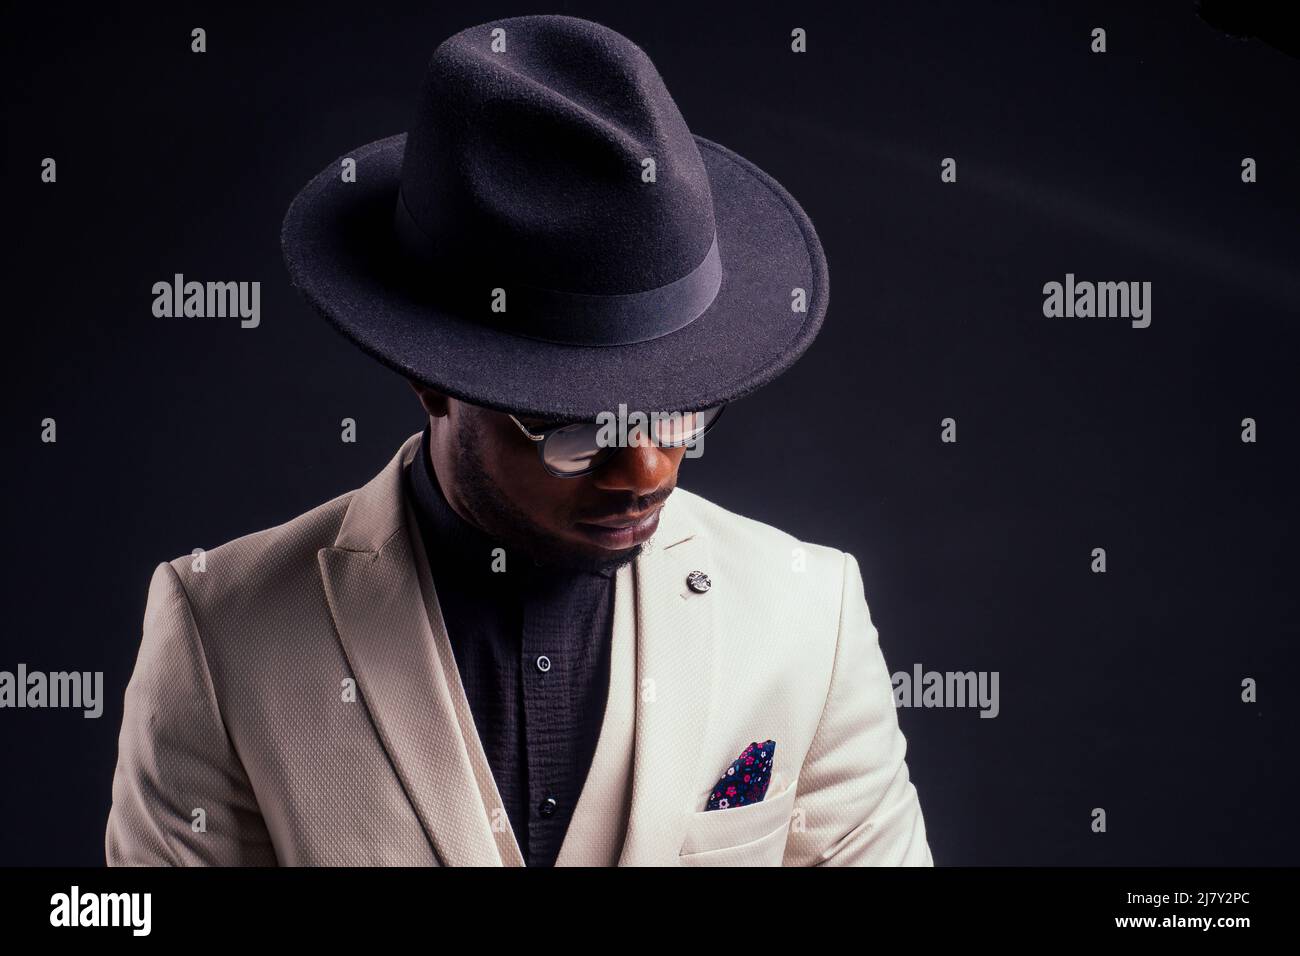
[669, 464]
[517, 470]
[512, 465]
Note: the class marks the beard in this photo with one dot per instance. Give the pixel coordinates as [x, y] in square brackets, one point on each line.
[492, 510]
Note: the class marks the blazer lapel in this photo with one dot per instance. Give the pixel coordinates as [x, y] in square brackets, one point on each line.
[503, 834]
[655, 719]
[675, 670]
[599, 823]
[373, 588]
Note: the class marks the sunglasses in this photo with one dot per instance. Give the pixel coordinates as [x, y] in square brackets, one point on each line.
[574, 449]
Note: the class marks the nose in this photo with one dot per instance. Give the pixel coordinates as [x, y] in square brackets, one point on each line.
[639, 469]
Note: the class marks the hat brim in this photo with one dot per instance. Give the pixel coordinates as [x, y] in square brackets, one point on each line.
[339, 245]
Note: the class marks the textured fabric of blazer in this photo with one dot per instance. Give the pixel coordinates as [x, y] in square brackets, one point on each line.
[295, 701]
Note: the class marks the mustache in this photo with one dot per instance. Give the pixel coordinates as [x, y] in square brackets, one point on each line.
[618, 506]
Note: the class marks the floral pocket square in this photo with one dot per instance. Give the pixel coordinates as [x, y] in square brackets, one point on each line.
[746, 780]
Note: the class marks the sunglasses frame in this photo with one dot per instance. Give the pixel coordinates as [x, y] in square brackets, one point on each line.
[539, 439]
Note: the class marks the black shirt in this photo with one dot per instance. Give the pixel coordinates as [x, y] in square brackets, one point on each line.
[532, 645]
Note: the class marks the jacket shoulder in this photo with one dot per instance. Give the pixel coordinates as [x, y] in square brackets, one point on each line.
[264, 560]
[762, 550]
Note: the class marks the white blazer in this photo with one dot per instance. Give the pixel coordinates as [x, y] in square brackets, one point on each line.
[296, 701]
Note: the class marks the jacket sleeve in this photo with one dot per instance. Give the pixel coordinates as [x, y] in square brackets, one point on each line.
[180, 794]
[855, 805]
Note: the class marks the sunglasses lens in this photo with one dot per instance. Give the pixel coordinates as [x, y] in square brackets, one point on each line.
[573, 449]
[576, 449]
[681, 428]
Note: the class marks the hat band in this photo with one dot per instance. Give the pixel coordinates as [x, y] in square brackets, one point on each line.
[573, 318]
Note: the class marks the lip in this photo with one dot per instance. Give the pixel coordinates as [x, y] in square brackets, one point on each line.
[620, 531]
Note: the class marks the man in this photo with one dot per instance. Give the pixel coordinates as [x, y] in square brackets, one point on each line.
[520, 643]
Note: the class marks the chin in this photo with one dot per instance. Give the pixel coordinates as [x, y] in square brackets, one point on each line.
[587, 558]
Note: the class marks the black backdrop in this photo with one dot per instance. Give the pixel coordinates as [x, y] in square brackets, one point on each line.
[1118, 690]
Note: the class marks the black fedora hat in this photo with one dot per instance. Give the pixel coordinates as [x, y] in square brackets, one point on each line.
[549, 238]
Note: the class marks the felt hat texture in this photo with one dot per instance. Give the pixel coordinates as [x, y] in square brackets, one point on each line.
[549, 238]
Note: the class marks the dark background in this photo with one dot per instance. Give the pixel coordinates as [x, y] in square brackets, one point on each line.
[1119, 690]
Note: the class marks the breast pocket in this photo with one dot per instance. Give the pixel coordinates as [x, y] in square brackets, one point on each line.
[752, 835]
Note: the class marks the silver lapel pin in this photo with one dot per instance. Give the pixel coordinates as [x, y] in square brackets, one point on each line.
[698, 582]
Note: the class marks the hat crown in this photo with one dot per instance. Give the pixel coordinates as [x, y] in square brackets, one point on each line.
[529, 161]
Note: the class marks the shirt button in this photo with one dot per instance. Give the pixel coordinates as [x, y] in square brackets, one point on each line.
[543, 663]
[547, 807]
